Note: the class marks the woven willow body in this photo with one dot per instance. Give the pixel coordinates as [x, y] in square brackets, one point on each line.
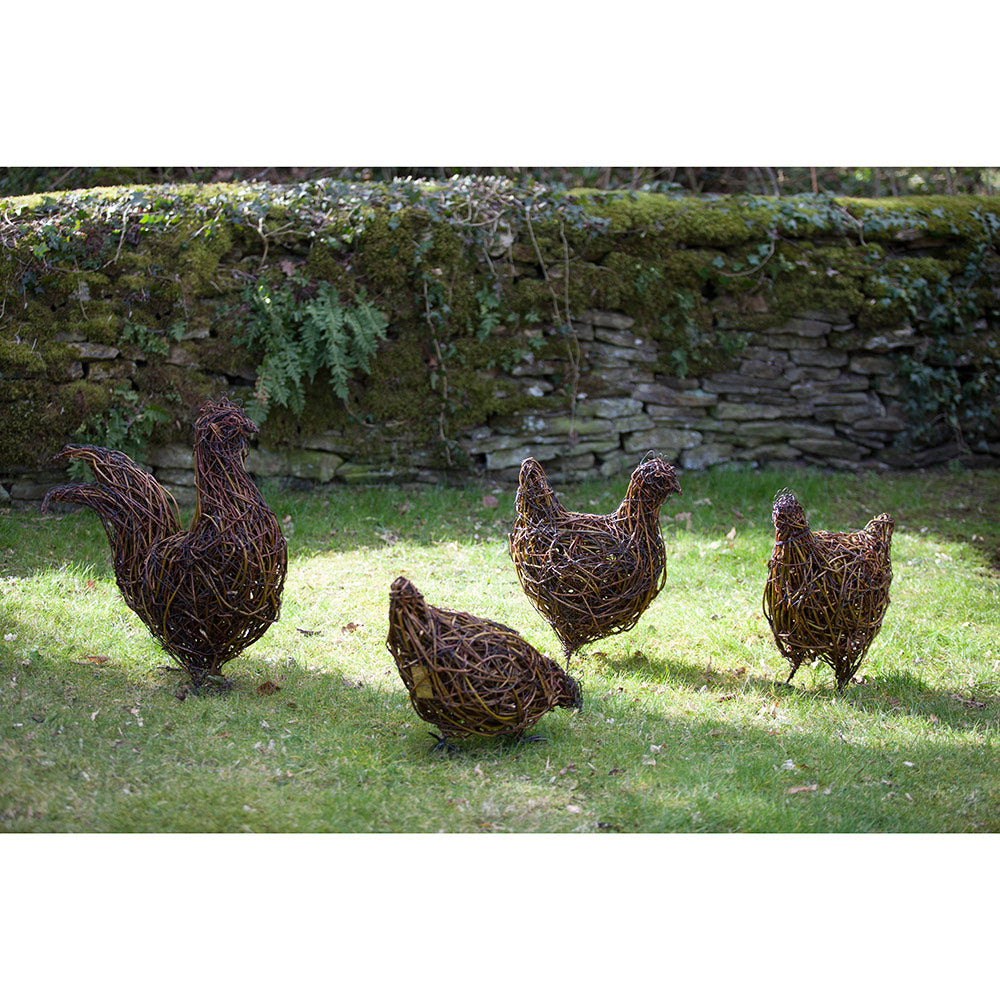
[469, 675]
[826, 592]
[591, 575]
[207, 593]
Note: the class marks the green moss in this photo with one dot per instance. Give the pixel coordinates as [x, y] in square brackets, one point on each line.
[52, 412]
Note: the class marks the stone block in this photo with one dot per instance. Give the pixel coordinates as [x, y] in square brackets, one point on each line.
[98, 371]
[353, 472]
[758, 352]
[181, 356]
[620, 338]
[775, 452]
[792, 342]
[320, 466]
[801, 328]
[829, 447]
[171, 456]
[871, 364]
[663, 395]
[668, 440]
[34, 487]
[513, 457]
[612, 409]
[679, 416]
[172, 478]
[836, 317]
[887, 423]
[535, 426]
[757, 432]
[637, 422]
[882, 342]
[761, 369]
[845, 414]
[706, 455]
[820, 359]
[616, 321]
[811, 374]
[261, 462]
[730, 382]
[819, 395]
[747, 411]
[95, 352]
[614, 356]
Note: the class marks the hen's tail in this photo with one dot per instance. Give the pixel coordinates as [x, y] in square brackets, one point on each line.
[127, 499]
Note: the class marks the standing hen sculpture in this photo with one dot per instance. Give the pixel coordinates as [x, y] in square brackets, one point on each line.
[206, 593]
[827, 591]
[591, 575]
[469, 675]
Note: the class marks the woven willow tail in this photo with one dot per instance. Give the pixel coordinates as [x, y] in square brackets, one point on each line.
[207, 593]
[826, 592]
[468, 675]
[591, 575]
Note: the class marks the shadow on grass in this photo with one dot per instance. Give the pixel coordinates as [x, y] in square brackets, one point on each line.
[710, 774]
[891, 693]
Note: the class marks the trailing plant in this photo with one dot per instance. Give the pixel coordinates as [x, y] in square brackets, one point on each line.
[125, 425]
[301, 334]
[152, 341]
[952, 387]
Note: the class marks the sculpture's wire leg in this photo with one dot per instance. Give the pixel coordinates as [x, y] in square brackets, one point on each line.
[788, 680]
[442, 744]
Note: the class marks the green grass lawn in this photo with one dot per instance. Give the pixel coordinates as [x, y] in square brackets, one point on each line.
[685, 727]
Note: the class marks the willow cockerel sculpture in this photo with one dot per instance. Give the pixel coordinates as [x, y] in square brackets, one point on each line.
[206, 593]
[827, 591]
[591, 575]
[471, 676]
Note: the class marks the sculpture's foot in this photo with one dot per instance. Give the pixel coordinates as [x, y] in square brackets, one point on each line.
[442, 744]
[209, 684]
[531, 738]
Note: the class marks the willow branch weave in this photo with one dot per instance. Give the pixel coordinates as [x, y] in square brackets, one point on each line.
[591, 575]
[207, 593]
[469, 675]
[826, 592]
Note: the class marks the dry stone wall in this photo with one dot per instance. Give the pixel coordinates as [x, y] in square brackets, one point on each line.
[813, 389]
[567, 345]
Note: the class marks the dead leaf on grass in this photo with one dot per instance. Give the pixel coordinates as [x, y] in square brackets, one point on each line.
[489, 500]
[795, 789]
[268, 687]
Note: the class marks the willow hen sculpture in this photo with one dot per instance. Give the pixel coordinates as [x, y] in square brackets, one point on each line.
[826, 592]
[206, 593]
[591, 575]
[468, 675]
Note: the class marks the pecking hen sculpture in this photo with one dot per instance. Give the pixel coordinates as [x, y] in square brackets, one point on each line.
[826, 592]
[468, 675]
[206, 593]
[591, 575]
